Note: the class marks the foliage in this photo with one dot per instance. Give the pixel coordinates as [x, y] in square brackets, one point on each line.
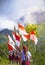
[31, 27]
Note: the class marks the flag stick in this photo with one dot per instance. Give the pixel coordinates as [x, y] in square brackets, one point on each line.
[15, 31]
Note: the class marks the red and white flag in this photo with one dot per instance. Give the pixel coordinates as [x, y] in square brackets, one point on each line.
[25, 37]
[11, 44]
[17, 38]
[22, 29]
[33, 37]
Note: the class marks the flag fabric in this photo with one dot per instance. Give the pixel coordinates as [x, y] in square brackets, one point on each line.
[11, 44]
[17, 38]
[33, 37]
[25, 37]
[32, 32]
[22, 29]
[10, 48]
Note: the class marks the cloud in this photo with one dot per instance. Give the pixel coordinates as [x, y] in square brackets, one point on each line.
[14, 9]
[7, 23]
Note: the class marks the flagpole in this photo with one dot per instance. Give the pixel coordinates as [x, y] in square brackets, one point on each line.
[15, 31]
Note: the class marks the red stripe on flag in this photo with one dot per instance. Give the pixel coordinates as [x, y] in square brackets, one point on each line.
[32, 32]
[27, 36]
[10, 47]
[17, 36]
[21, 27]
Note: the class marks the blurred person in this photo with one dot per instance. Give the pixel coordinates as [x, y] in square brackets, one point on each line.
[26, 56]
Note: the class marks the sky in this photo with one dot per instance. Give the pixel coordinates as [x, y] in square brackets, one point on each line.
[7, 23]
[12, 10]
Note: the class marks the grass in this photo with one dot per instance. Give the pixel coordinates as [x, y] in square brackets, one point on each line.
[7, 62]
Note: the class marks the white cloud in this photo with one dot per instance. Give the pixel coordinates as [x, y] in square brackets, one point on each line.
[14, 9]
[6, 23]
